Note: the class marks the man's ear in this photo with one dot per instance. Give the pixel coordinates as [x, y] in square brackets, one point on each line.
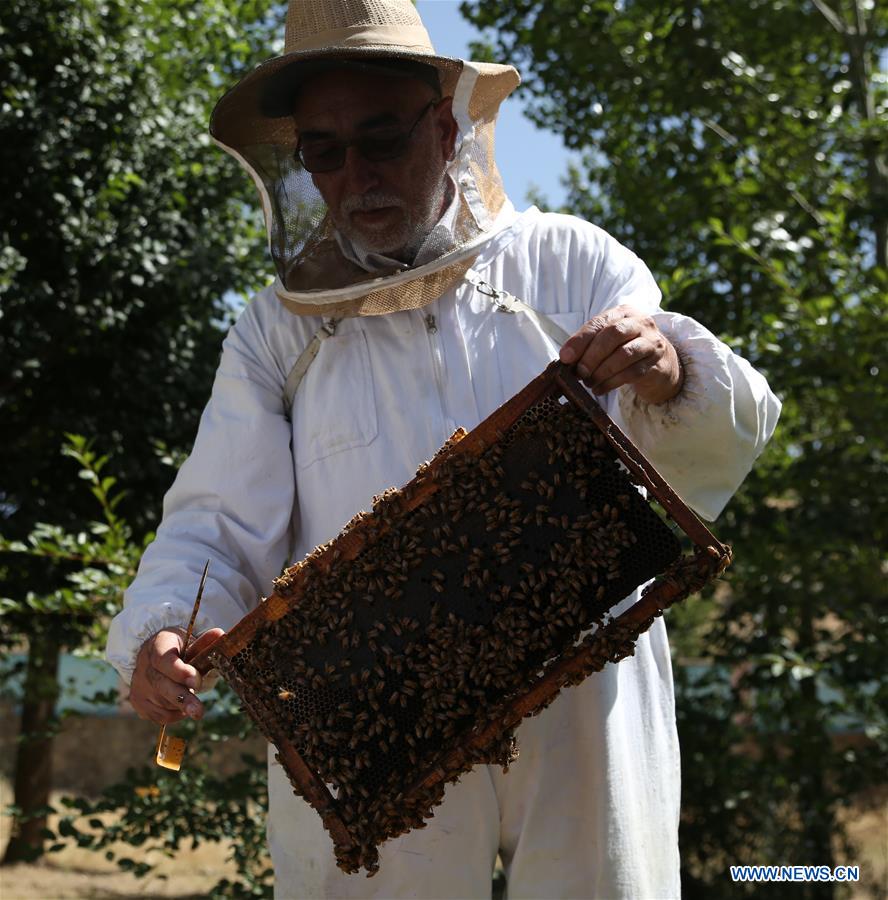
[447, 127]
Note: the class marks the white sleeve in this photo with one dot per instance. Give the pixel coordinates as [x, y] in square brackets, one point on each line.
[231, 503]
[705, 440]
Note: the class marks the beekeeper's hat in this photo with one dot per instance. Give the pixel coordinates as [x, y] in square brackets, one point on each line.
[253, 122]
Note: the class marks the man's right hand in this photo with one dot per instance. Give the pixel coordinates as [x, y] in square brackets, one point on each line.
[163, 686]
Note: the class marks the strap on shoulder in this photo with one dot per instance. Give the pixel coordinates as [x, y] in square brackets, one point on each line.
[303, 361]
[509, 303]
[503, 300]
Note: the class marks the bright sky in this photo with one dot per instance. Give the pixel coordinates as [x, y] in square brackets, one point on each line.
[525, 155]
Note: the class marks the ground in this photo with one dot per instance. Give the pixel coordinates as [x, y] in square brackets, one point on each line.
[75, 873]
[83, 875]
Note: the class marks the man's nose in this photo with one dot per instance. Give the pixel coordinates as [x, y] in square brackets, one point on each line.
[360, 174]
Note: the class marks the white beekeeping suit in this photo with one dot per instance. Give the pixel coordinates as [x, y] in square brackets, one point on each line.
[404, 355]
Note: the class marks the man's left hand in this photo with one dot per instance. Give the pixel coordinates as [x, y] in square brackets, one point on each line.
[624, 346]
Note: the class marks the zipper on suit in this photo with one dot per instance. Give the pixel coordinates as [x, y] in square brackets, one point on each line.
[437, 351]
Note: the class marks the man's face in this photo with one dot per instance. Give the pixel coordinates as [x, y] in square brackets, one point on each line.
[387, 206]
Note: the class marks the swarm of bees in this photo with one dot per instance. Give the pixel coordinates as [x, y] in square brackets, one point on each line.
[388, 660]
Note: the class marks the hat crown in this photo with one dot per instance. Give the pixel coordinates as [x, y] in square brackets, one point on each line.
[317, 23]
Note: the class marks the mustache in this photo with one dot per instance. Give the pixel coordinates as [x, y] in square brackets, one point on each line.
[369, 201]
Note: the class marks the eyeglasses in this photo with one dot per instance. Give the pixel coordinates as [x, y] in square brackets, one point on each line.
[328, 156]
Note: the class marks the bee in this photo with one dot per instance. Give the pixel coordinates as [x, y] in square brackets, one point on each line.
[284, 694]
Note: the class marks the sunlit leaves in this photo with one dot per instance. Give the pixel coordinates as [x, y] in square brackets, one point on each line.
[99, 562]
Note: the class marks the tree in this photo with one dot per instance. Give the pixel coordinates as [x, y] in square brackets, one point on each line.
[123, 230]
[100, 562]
[740, 149]
[152, 809]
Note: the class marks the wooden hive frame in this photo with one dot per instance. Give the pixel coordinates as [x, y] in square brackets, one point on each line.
[488, 735]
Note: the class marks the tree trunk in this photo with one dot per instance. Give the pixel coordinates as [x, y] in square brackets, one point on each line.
[33, 763]
[859, 46]
[814, 794]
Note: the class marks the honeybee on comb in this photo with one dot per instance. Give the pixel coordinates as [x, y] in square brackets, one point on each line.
[419, 638]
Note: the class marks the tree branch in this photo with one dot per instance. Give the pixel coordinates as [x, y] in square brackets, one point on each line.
[831, 17]
[876, 166]
[729, 138]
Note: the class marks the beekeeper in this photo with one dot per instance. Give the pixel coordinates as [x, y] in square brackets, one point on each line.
[387, 328]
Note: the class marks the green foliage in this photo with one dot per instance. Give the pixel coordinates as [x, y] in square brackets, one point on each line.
[740, 149]
[98, 563]
[86, 575]
[123, 228]
[154, 810]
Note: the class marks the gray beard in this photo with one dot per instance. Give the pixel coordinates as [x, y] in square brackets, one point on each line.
[407, 253]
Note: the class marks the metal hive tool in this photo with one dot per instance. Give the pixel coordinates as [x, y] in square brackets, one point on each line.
[407, 650]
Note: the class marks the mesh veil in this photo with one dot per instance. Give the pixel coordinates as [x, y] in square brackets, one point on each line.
[313, 275]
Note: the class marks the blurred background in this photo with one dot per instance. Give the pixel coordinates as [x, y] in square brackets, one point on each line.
[741, 149]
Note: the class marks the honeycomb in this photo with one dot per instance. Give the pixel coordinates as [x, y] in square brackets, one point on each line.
[450, 610]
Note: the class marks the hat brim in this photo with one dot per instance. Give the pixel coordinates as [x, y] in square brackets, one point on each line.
[252, 112]
[282, 88]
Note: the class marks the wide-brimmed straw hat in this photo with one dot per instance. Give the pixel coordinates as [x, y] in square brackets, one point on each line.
[253, 122]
